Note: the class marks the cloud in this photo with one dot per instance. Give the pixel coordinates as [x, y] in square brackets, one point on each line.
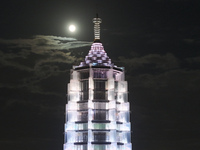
[175, 79]
[39, 49]
[193, 59]
[42, 43]
[155, 61]
[32, 60]
[161, 71]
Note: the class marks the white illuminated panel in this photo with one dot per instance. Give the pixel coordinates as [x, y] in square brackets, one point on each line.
[110, 74]
[123, 116]
[91, 83]
[110, 84]
[76, 126]
[112, 146]
[112, 115]
[75, 75]
[90, 115]
[122, 97]
[127, 146]
[124, 127]
[123, 106]
[72, 105]
[90, 104]
[112, 104]
[123, 137]
[100, 105]
[119, 76]
[74, 85]
[91, 94]
[74, 96]
[111, 95]
[72, 116]
[122, 86]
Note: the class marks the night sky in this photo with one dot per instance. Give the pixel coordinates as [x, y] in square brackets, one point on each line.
[157, 41]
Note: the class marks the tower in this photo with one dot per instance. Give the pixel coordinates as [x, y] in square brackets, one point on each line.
[97, 113]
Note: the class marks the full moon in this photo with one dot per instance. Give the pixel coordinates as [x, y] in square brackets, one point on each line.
[72, 28]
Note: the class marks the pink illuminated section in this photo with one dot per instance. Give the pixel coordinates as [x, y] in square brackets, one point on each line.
[96, 56]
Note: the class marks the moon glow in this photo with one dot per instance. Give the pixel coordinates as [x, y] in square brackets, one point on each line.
[72, 28]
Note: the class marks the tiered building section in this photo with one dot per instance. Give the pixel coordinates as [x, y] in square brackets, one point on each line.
[97, 113]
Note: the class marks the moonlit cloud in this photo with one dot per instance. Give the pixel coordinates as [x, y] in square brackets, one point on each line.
[42, 43]
[39, 49]
[37, 59]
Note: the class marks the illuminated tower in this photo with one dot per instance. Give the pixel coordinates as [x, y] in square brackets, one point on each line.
[97, 113]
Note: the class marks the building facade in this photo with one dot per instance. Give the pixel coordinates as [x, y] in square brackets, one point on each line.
[97, 113]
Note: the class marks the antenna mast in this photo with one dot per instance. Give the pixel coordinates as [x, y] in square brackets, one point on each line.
[97, 22]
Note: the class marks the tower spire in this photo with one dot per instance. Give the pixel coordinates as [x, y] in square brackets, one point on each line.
[97, 22]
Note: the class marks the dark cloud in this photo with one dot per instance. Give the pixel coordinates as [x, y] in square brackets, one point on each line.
[194, 59]
[151, 62]
[34, 60]
[183, 79]
[155, 71]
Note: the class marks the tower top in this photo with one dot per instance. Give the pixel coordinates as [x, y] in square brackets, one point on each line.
[97, 56]
[97, 22]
